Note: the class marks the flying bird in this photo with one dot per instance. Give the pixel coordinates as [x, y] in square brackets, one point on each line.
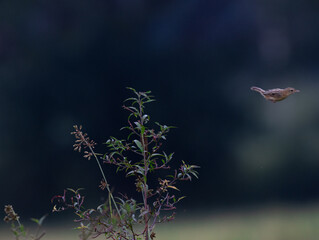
[276, 94]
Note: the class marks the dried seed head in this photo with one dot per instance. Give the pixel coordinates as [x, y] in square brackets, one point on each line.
[82, 142]
[8, 209]
[103, 184]
[11, 215]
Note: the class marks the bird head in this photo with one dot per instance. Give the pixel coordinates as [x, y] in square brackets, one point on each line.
[291, 90]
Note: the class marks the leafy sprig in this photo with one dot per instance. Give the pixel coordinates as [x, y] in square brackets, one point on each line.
[139, 155]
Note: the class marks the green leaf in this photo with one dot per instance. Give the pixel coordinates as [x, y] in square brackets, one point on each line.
[75, 191]
[154, 155]
[150, 100]
[145, 94]
[139, 145]
[134, 109]
[42, 219]
[126, 127]
[22, 230]
[131, 173]
[145, 118]
[71, 190]
[128, 137]
[129, 117]
[35, 220]
[130, 99]
[39, 221]
[195, 174]
[140, 127]
[173, 187]
[130, 88]
[181, 198]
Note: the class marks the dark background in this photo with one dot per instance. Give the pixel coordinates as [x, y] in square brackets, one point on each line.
[68, 62]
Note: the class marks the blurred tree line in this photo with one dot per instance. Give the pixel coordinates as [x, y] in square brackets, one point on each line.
[68, 62]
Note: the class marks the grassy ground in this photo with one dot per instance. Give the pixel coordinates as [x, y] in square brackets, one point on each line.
[266, 224]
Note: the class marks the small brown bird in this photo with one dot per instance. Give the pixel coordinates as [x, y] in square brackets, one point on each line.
[275, 95]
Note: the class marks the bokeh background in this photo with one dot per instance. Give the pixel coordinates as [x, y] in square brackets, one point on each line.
[68, 62]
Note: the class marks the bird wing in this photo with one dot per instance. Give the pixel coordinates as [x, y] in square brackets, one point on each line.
[274, 94]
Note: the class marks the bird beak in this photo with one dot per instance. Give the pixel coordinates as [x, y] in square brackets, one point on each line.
[297, 90]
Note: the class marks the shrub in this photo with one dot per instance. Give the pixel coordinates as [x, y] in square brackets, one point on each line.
[139, 156]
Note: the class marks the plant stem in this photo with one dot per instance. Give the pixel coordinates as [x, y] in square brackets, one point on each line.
[145, 186]
[145, 192]
[158, 212]
[107, 185]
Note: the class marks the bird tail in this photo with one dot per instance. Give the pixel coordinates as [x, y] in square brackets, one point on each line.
[257, 89]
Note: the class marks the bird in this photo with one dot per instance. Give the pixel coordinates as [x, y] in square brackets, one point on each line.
[276, 94]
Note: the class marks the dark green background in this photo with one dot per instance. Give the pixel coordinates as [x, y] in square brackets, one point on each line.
[68, 62]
